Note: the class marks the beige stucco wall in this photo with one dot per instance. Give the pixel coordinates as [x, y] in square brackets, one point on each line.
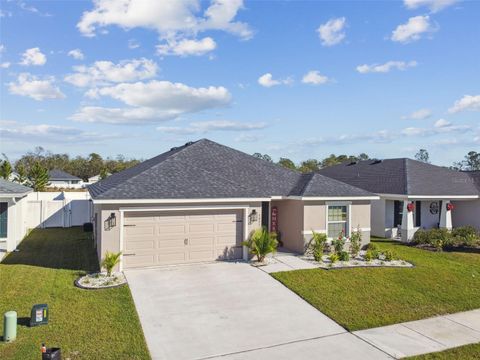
[466, 213]
[298, 218]
[290, 223]
[109, 240]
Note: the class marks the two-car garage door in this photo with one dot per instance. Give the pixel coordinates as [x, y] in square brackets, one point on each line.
[175, 237]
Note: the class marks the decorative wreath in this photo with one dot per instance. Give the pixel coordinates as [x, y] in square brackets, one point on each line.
[410, 207]
[450, 206]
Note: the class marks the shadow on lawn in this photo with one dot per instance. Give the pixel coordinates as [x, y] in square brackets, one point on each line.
[56, 248]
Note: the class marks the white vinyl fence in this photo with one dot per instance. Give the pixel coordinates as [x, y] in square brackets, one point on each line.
[58, 209]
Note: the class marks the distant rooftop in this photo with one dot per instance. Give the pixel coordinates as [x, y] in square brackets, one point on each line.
[12, 188]
[404, 176]
[57, 174]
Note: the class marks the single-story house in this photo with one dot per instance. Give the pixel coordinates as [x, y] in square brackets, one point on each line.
[96, 178]
[200, 201]
[61, 179]
[413, 195]
[12, 214]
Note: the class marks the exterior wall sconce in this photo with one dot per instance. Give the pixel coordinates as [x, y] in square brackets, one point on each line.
[253, 216]
[110, 222]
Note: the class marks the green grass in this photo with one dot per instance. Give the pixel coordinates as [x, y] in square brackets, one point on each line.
[95, 324]
[361, 298]
[467, 352]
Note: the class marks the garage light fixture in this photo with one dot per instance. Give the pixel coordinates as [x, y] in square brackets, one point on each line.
[110, 222]
[253, 216]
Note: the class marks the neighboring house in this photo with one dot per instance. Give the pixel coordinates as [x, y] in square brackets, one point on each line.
[96, 178]
[198, 202]
[12, 214]
[61, 179]
[413, 195]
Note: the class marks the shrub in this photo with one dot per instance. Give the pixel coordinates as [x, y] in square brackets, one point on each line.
[110, 261]
[343, 256]
[369, 255]
[338, 243]
[372, 246]
[355, 243]
[420, 237]
[333, 257]
[464, 231]
[262, 243]
[390, 255]
[316, 245]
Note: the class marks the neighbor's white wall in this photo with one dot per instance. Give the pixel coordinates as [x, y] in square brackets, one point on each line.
[16, 226]
[58, 209]
[466, 213]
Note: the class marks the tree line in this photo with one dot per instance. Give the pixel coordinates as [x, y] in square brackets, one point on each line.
[33, 167]
[470, 162]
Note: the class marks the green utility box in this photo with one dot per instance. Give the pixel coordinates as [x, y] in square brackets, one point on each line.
[39, 315]
[10, 326]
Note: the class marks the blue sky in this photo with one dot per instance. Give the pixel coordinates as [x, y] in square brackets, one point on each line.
[297, 79]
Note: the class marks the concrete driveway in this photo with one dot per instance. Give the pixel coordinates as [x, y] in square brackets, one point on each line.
[234, 311]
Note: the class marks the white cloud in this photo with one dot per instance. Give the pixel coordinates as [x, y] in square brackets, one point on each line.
[247, 138]
[187, 47]
[106, 72]
[214, 125]
[385, 68]
[314, 77]
[14, 131]
[413, 30]
[33, 56]
[332, 32]
[467, 102]
[36, 88]
[433, 5]
[420, 114]
[441, 123]
[5, 65]
[133, 44]
[173, 20]
[267, 80]
[77, 54]
[152, 101]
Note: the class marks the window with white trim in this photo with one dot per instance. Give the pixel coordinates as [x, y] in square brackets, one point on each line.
[337, 220]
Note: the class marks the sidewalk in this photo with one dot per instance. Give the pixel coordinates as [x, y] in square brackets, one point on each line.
[425, 336]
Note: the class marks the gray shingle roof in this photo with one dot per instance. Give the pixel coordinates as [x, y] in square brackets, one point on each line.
[8, 187]
[57, 174]
[205, 169]
[403, 176]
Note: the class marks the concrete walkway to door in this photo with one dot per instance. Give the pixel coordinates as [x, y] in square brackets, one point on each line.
[234, 311]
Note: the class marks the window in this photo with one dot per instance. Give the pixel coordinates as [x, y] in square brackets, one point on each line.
[397, 213]
[337, 220]
[418, 213]
[3, 219]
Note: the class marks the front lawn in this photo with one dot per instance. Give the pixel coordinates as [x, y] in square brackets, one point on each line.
[440, 283]
[467, 352]
[95, 324]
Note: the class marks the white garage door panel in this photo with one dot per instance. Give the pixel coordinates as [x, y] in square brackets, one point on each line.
[159, 238]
